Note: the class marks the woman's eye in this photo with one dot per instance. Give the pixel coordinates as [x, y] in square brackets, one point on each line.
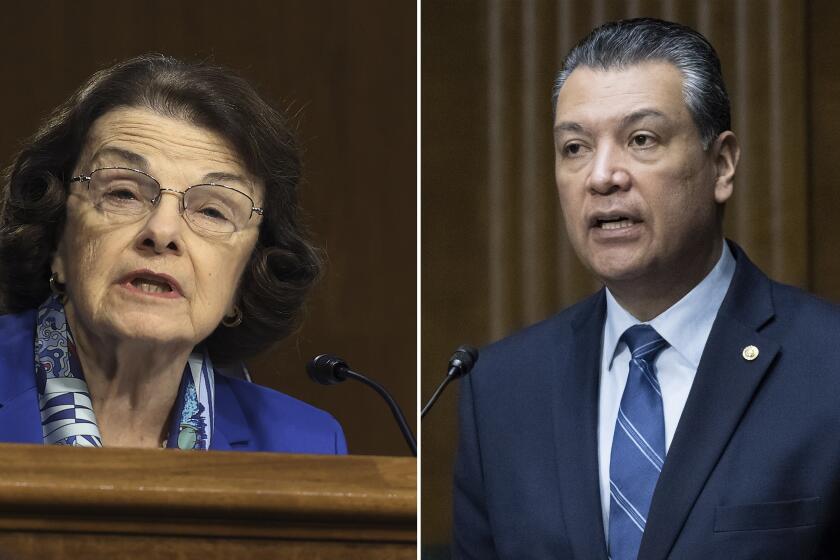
[213, 213]
[121, 194]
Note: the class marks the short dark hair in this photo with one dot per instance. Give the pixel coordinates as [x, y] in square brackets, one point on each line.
[33, 192]
[623, 43]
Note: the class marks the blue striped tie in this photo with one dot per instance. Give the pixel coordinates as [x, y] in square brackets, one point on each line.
[638, 448]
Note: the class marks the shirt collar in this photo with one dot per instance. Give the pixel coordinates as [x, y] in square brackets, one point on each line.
[686, 324]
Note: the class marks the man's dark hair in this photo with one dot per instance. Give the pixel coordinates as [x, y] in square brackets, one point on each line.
[33, 191]
[619, 44]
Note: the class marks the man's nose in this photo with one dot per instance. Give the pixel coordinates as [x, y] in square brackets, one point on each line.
[609, 172]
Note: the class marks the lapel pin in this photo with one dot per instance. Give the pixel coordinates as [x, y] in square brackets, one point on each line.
[750, 353]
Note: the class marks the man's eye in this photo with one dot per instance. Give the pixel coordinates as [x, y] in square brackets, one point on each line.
[642, 141]
[572, 149]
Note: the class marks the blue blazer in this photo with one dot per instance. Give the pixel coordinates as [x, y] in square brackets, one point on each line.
[248, 417]
[753, 469]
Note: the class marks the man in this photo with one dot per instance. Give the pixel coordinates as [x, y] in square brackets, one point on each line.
[690, 408]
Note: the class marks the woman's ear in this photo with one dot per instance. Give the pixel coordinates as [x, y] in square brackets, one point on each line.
[57, 265]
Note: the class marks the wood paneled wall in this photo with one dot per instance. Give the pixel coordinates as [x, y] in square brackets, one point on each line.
[495, 253]
[347, 70]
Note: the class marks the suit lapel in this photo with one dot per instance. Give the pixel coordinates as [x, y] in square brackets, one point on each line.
[723, 389]
[575, 381]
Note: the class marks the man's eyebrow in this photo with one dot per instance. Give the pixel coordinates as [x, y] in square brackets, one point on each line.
[636, 116]
[131, 158]
[567, 126]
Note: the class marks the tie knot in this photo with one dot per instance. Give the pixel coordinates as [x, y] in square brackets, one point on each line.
[644, 342]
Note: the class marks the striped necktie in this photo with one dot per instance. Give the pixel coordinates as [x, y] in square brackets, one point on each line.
[638, 447]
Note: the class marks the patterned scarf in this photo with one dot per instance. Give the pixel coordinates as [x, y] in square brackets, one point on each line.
[66, 410]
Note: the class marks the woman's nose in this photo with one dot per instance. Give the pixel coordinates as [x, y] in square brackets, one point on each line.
[163, 229]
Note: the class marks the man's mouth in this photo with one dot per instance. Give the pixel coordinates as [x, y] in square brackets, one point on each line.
[618, 222]
[614, 222]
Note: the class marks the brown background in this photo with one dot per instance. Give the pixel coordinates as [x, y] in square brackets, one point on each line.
[494, 251]
[349, 70]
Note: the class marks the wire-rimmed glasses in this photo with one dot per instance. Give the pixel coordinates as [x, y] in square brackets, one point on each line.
[210, 207]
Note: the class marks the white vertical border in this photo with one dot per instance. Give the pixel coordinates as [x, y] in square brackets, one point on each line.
[417, 404]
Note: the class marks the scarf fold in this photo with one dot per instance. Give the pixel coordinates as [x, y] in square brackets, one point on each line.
[67, 415]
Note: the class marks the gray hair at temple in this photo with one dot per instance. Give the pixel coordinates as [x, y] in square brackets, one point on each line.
[619, 44]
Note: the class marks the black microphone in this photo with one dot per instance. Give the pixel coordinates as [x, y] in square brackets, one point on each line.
[329, 370]
[460, 364]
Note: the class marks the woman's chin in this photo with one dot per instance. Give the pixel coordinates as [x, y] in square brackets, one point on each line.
[150, 327]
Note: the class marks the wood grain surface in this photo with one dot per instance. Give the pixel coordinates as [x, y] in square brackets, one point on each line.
[132, 503]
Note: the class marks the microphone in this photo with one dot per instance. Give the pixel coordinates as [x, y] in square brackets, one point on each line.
[329, 370]
[460, 364]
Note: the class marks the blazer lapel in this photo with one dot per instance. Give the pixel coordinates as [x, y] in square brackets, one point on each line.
[20, 418]
[723, 388]
[230, 430]
[576, 381]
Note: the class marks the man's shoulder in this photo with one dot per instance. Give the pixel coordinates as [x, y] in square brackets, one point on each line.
[806, 318]
[790, 300]
[536, 347]
[752, 289]
[554, 329]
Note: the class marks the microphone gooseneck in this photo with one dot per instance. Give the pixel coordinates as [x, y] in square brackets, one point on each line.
[329, 370]
[460, 364]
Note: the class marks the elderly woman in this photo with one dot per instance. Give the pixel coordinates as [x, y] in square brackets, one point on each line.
[148, 237]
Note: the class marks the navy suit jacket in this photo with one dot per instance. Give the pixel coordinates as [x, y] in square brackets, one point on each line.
[248, 417]
[752, 470]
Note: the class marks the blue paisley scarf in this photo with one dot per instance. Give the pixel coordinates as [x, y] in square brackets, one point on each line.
[66, 410]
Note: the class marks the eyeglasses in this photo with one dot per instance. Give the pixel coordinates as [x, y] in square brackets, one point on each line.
[211, 207]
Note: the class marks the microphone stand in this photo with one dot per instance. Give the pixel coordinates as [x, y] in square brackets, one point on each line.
[392, 404]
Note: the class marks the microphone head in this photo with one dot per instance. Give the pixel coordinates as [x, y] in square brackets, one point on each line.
[463, 360]
[327, 369]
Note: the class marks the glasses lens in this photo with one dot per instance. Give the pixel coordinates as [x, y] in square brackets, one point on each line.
[122, 191]
[216, 208]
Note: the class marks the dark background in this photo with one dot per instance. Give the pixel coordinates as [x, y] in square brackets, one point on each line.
[494, 250]
[347, 72]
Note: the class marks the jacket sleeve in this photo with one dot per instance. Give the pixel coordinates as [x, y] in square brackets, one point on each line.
[472, 537]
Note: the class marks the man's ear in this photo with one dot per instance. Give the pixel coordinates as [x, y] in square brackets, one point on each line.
[726, 152]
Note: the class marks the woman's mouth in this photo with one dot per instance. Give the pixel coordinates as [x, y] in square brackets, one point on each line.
[151, 283]
[151, 286]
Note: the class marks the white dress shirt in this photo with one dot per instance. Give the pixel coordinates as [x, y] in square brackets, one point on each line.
[685, 326]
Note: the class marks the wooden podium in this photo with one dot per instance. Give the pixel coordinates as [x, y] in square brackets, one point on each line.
[58, 502]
